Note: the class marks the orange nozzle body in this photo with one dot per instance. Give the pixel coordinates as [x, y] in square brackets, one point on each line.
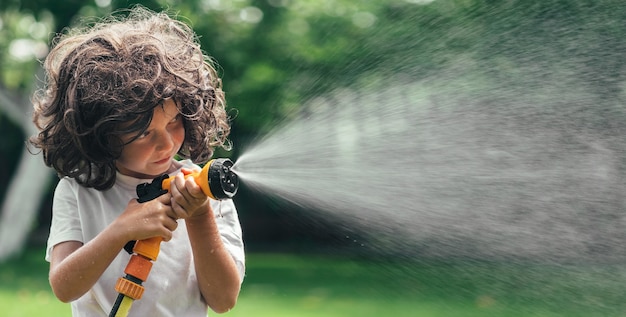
[201, 178]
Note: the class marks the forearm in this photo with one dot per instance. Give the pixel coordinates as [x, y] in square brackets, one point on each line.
[218, 277]
[80, 267]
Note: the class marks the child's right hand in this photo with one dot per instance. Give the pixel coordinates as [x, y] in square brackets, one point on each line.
[149, 219]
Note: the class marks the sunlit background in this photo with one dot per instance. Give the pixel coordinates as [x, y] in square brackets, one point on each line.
[397, 157]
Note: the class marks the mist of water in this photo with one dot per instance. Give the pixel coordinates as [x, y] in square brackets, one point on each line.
[511, 150]
[448, 170]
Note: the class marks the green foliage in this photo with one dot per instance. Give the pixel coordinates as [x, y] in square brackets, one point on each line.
[23, 40]
[275, 54]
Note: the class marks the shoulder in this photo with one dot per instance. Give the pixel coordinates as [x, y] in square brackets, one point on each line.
[188, 164]
[66, 186]
[70, 185]
[68, 189]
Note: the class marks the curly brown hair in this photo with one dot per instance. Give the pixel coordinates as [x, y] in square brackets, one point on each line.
[102, 77]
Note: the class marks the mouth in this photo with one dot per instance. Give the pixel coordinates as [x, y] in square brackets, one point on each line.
[163, 161]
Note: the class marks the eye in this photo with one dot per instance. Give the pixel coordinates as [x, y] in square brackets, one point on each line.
[176, 119]
[143, 135]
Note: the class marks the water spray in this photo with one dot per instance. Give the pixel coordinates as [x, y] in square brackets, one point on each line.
[217, 181]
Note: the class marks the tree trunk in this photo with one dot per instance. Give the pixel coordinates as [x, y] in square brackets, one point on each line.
[26, 188]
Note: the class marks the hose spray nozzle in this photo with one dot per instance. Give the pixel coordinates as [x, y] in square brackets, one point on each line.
[216, 179]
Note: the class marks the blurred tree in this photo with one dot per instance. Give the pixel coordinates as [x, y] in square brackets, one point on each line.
[23, 40]
[276, 54]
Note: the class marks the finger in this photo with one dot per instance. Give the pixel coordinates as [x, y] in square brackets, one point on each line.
[194, 190]
[167, 235]
[187, 171]
[162, 205]
[171, 224]
[179, 210]
[187, 192]
[187, 196]
[164, 199]
[178, 190]
[171, 212]
[177, 200]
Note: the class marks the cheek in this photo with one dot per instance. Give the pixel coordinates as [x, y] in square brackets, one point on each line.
[179, 136]
[132, 153]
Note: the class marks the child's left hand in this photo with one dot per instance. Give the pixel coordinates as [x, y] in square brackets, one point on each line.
[188, 200]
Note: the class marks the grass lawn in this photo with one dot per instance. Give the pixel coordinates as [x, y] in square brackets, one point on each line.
[308, 285]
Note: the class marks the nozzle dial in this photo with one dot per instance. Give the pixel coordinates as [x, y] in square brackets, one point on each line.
[222, 180]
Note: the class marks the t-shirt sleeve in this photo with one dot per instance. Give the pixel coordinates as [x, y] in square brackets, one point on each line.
[229, 226]
[65, 225]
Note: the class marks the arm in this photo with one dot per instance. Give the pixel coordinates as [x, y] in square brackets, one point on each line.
[217, 273]
[75, 268]
[218, 276]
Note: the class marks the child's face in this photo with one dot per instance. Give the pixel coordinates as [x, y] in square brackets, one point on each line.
[151, 154]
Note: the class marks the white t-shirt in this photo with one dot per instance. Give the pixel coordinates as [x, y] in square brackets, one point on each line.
[80, 213]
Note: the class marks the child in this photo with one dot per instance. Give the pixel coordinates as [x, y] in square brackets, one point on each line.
[123, 98]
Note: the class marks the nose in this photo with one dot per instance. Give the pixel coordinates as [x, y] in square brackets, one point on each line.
[164, 142]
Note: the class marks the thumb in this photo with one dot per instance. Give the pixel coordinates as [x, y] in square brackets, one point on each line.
[165, 199]
[186, 171]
